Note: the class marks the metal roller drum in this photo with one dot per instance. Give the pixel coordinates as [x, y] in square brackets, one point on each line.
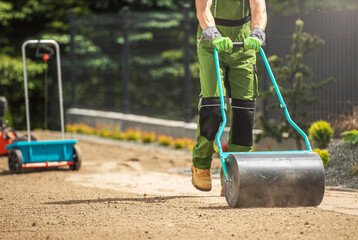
[278, 179]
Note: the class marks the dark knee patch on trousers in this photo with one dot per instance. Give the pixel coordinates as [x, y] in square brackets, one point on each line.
[210, 117]
[242, 122]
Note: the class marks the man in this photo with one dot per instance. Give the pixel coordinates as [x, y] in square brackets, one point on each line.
[221, 23]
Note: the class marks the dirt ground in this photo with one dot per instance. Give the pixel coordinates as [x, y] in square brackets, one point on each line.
[135, 191]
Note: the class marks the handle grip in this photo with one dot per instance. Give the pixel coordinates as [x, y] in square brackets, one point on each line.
[238, 44]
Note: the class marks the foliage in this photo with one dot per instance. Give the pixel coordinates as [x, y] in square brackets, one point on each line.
[324, 155]
[159, 66]
[83, 128]
[293, 87]
[34, 19]
[179, 143]
[190, 144]
[344, 123]
[105, 131]
[148, 137]
[12, 87]
[133, 134]
[165, 140]
[120, 135]
[320, 133]
[350, 136]
[299, 7]
[19, 21]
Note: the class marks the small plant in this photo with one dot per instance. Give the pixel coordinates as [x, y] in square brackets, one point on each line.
[133, 134]
[84, 128]
[120, 135]
[344, 123]
[103, 131]
[191, 146]
[324, 156]
[107, 133]
[148, 137]
[179, 143]
[165, 140]
[350, 136]
[320, 133]
[69, 127]
[97, 130]
[354, 170]
[188, 142]
[116, 129]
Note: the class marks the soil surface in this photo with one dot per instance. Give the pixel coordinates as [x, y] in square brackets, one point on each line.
[135, 191]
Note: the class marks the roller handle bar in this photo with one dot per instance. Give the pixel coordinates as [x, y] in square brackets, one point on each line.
[237, 44]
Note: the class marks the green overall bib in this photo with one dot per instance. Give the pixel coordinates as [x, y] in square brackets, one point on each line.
[238, 72]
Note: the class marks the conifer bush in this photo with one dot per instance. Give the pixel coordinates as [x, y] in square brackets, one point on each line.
[320, 133]
[324, 154]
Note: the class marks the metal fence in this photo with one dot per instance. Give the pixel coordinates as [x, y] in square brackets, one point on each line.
[135, 63]
[145, 63]
[337, 58]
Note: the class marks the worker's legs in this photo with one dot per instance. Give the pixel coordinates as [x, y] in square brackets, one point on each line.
[209, 121]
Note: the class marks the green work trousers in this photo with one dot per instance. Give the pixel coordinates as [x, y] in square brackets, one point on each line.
[238, 75]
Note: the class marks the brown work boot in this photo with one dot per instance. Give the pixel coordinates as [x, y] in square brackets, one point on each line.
[201, 178]
[222, 193]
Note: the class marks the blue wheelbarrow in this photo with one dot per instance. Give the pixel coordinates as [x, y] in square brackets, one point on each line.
[272, 178]
[42, 154]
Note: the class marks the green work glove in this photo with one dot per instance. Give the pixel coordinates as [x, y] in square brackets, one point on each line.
[220, 43]
[255, 40]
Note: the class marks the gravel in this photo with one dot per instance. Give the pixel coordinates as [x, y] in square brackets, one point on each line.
[342, 158]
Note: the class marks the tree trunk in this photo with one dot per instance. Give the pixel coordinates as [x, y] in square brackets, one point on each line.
[298, 142]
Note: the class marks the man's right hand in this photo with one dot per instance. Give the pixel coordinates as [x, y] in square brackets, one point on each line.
[220, 43]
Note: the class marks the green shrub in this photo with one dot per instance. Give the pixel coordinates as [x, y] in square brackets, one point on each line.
[133, 134]
[350, 136]
[148, 137]
[320, 133]
[120, 135]
[179, 143]
[84, 128]
[344, 123]
[324, 156]
[165, 140]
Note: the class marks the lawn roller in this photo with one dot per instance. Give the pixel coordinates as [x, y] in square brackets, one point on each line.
[37, 154]
[272, 178]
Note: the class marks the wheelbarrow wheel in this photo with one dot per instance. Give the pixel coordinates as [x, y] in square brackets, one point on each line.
[15, 161]
[77, 158]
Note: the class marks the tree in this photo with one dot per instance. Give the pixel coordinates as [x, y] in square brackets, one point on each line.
[21, 20]
[38, 19]
[297, 92]
[299, 7]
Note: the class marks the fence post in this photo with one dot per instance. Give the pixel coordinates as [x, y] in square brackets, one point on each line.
[187, 82]
[126, 101]
[73, 58]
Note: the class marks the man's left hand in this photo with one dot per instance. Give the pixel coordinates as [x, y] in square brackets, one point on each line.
[255, 40]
